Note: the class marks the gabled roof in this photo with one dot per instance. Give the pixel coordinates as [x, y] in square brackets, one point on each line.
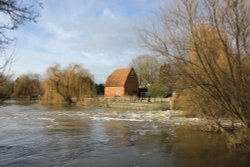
[118, 77]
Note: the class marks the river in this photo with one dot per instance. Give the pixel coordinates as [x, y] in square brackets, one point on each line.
[35, 135]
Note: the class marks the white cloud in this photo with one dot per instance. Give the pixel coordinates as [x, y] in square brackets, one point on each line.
[97, 34]
[107, 13]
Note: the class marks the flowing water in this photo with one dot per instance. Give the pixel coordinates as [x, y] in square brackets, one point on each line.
[34, 135]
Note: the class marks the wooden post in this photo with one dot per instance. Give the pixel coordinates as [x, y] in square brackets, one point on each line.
[172, 101]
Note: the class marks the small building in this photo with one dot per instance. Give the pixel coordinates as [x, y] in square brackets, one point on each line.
[121, 82]
[143, 92]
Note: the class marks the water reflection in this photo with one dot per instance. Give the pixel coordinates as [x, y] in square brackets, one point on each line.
[160, 142]
[66, 126]
[195, 148]
[32, 135]
[69, 138]
[119, 133]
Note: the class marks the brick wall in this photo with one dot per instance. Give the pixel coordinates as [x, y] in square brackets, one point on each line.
[112, 91]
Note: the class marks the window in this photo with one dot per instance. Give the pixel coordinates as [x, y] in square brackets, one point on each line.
[118, 93]
[132, 74]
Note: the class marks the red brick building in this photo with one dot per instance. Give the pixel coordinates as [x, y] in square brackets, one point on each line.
[121, 82]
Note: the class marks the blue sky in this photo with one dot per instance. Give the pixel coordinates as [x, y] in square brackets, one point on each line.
[99, 34]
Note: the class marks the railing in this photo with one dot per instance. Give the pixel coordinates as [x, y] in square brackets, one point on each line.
[133, 99]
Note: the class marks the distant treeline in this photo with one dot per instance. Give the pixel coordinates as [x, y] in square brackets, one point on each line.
[74, 82]
[60, 85]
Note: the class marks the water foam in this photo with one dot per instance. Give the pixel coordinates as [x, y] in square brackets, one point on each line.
[116, 119]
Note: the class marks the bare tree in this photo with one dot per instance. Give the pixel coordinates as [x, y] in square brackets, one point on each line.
[167, 79]
[15, 13]
[71, 82]
[6, 87]
[208, 41]
[147, 69]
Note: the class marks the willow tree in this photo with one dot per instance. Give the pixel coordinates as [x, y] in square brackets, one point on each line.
[208, 42]
[27, 86]
[71, 82]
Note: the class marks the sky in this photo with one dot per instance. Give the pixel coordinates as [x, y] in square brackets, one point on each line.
[98, 34]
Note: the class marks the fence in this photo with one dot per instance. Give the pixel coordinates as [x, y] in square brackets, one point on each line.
[129, 103]
[134, 99]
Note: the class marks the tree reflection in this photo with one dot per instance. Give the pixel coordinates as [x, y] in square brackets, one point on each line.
[119, 133]
[68, 139]
[196, 148]
[67, 126]
[160, 142]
